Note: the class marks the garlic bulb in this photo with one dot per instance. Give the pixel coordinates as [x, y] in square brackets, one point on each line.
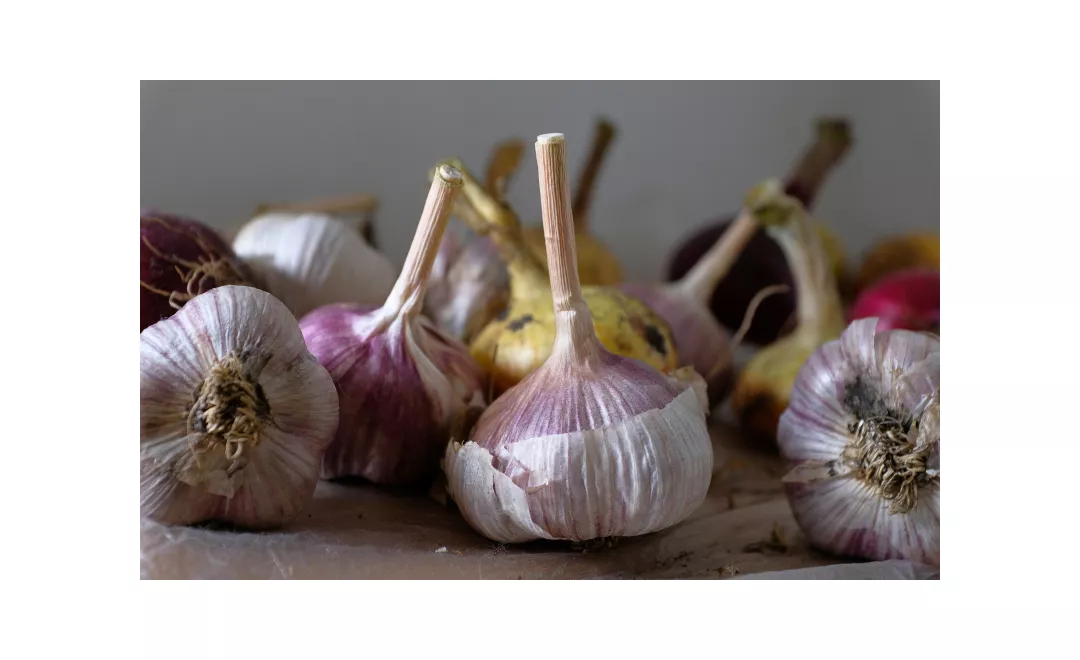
[763, 387]
[312, 259]
[700, 341]
[234, 412]
[404, 386]
[590, 444]
[862, 435]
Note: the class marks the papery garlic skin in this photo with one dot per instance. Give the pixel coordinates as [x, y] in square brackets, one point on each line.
[404, 387]
[700, 341]
[308, 260]
[572, 455]
[853, 489]
[242, 349]
[469, 286]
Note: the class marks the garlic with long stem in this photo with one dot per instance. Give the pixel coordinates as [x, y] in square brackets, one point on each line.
[591, 444]
[862, 436]
[235, 413]
[700, 341]
[763, 387]
[309, 260]
[469, 282]
[404, 386]
[520, 339]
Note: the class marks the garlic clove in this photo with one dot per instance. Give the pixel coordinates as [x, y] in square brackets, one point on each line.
[235, 413]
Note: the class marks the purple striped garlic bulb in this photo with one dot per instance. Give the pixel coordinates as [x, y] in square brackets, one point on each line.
[590, 445]
[862, 436]
[700, 341]
[235, 413]
[404, 386]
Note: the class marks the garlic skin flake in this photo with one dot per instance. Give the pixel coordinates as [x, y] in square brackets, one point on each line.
[308, 260]
[862, 437]
[235, 413]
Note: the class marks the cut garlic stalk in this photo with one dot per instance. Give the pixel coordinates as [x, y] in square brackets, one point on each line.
[590, 444]
[235, 413]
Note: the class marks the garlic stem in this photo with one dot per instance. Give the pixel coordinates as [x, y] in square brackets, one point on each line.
[575, 337]
[407, 296]
[489, 216]
[833, 140]
[603, 136]
[700, 282]
[817, 300]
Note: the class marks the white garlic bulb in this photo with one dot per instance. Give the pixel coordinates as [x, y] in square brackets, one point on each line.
[591, 444]
[308, 260]
[235, 413]
[862, 436]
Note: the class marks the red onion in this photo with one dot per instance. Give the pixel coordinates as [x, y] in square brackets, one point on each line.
[762, 264]
[906, 300]
[179, 259]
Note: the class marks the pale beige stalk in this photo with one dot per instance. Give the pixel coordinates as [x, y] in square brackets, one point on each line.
[574, 334]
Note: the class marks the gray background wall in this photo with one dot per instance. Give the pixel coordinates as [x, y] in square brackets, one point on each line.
[686, 151]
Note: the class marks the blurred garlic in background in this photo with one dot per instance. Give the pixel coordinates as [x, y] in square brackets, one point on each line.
[308, 260]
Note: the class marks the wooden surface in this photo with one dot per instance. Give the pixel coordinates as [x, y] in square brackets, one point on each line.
[360, 532]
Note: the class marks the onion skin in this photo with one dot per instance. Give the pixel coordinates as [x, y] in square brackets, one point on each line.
[171, 242]
[905, 300]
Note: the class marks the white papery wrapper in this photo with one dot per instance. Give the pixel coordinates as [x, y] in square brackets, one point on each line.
[837, 509]
[308, 260]
[638, 475]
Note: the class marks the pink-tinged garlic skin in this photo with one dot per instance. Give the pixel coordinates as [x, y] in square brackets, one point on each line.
[700, 341]
[403, 386]
[837, 509]
[279, 473]
[573, 453]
